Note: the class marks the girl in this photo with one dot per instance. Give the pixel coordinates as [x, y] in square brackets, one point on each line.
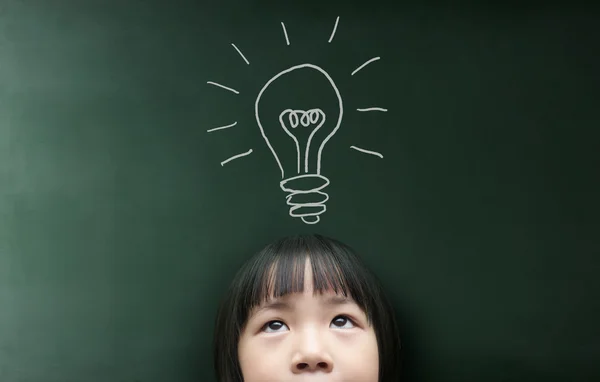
[306, 308]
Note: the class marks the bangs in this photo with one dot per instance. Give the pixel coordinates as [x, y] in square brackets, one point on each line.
[280, 271]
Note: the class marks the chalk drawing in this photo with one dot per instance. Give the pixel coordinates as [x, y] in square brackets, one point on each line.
[319, 197]
[221, 127]
[308, 117]
[305, 185]
[373, 109]
[240, 52]
[365, 64]
[289, 120]
[337, 124]
[237, 156]
[222, 86]
[287, 40]
[334, 29]
[366, 151]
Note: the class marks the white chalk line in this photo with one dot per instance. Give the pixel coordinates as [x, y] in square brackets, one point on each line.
[223, 86]
[287, 40]
[307, 217]
[221, 127]
[306, 118]
[372, 109]
[237, 156]
[367, 151]
[337, 20]
[240, 52]
[365, 64]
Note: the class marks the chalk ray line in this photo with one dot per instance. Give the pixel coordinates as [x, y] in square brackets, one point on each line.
[221, 127]
[367, 151]
[222, 86]
[337, 20]
[365, 64]
[237, 156]
[287, 40]
[241, 54]
[372, 109]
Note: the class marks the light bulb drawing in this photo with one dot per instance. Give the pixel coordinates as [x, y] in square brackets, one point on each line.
[305, 203]
[308, 130]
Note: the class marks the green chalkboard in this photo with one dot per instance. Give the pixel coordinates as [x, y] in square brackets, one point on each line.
[474, 198]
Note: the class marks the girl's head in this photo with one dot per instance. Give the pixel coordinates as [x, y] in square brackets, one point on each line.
[306, 307]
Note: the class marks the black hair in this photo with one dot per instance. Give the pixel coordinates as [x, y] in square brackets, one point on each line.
[278, 270]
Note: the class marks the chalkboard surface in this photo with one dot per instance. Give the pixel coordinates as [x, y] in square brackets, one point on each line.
[125, 208]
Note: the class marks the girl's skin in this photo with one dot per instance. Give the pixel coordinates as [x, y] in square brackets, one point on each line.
[308, 338]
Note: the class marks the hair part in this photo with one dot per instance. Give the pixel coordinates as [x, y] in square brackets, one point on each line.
[278, 270]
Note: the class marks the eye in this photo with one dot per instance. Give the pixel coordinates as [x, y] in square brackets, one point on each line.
[342, 322]
[273, 326]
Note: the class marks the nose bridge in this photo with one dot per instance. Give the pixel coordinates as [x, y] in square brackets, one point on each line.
[310, 339]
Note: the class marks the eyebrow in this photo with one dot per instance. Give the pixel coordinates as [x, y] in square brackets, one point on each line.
[278, 304]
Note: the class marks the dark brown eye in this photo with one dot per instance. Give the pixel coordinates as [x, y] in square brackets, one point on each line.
[340, 321]
[273, 326]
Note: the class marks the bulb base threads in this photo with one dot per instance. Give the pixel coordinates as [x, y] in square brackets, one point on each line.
[306, 198]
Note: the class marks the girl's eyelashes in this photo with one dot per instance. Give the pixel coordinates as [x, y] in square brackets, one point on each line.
[339, 322]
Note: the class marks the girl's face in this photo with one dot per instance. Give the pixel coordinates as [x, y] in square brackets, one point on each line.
[301, 337]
